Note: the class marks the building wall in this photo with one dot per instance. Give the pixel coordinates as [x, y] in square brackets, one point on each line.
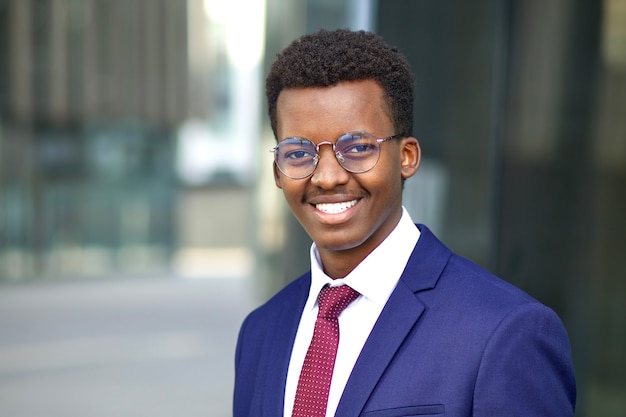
[90, 97]
[520, 104]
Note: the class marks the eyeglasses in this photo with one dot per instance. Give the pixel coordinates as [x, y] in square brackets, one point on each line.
[356, 152]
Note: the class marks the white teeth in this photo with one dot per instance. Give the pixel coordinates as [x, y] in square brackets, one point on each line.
[335, 208]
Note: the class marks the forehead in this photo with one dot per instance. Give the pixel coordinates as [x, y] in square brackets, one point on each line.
[349, 105]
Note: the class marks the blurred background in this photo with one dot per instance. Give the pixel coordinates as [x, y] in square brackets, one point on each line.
[139, 221]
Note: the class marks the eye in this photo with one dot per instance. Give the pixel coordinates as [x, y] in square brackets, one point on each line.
[358, 148]
[357, 144]
[296, 150]
[299, 154]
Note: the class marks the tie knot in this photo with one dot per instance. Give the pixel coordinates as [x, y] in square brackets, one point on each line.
[333, 300]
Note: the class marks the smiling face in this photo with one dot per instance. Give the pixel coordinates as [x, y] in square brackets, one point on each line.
[347, 215]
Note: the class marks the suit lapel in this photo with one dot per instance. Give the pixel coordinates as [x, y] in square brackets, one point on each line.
[287, 326]
[395, 322]
[399, 316]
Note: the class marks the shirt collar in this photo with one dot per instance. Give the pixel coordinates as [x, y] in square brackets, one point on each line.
[377, 275]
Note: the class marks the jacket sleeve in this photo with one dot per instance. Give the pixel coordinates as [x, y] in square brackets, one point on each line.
[526, 369]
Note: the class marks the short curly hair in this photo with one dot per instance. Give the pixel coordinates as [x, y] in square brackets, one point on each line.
[325, 58]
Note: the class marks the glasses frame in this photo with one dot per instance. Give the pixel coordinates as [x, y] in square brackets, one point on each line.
[338, 155]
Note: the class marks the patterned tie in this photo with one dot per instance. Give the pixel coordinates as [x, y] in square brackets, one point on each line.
[319, 362]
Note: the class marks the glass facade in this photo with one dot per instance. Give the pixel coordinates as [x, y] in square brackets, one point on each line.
[520, 105]
[119, 120]
[92, 92]
[129, 132]
[519, 113]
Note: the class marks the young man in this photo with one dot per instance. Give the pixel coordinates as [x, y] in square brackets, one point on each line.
[425, 332]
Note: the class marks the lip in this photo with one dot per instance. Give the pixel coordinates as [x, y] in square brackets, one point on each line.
[335, 212]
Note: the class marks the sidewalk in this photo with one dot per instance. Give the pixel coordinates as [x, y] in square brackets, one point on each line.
[125, 348]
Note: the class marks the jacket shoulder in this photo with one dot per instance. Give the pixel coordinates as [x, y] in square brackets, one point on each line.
[288, 297]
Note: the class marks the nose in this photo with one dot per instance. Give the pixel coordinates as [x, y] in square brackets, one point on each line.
[328, 173]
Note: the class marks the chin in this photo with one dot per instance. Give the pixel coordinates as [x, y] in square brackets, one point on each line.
[339, 243]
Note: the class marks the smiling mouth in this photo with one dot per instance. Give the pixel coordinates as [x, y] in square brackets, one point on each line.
[335, 208]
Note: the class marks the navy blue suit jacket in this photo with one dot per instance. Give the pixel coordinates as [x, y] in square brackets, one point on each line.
[452, 340]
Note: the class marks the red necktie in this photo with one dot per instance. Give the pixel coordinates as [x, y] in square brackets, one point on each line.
[319, 362]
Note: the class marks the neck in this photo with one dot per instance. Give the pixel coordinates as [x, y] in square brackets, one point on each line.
[338, 263]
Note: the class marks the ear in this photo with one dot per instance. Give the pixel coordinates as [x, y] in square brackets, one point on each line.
[410, 154]
[277, 176]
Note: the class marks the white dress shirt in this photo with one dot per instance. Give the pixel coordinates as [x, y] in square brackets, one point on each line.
[375, 279]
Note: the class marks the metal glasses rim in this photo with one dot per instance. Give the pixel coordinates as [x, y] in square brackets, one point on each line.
[378, 139]
[317, 146]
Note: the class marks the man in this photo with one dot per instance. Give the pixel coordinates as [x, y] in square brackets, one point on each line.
[425, 332]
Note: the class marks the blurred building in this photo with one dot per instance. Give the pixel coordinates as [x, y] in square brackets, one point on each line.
[91, 92]
[115, 117]
[130, 143]
[520, 116]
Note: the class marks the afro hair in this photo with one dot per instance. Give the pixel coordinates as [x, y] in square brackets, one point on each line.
[325, 58]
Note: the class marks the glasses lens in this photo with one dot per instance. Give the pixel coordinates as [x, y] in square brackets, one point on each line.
[357, 151]
[296, 157]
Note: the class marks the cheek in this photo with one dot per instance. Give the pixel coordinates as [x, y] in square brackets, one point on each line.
[277, 178]
[389, 172]
[292, 191]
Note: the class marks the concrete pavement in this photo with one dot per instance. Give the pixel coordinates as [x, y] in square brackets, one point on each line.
[125, 348]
